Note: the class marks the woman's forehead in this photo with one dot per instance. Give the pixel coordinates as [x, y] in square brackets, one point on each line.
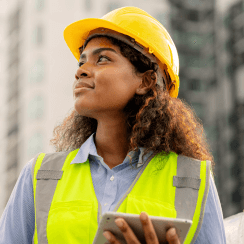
[98, 42]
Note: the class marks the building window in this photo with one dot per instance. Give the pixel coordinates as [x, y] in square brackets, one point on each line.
[228, 45]
[237, 34]
[12, 159]
[240, 84]
[35, 144]
[194, 61]
[37, 72]
[196, 85]
[238, 60]
[236, 9]
[196, 40]
[210, 61]
[36, 108]
[190, 39]
[13, 55]
[39, 4]
[227, 21]
[14, 21]
[193, 15]
[209, 14]
[229, 70]
[38, 35]
[232, 118]
[13, 127]
[88, 4]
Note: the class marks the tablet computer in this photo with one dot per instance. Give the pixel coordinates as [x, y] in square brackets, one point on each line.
[160, 224]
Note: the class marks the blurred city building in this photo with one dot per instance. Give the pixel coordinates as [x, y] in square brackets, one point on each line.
[235, 67]
[3, 110]
[38, 72]
[195, 30]
[210, 42]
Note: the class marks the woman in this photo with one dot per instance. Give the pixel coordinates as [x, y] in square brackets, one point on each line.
[130, 145]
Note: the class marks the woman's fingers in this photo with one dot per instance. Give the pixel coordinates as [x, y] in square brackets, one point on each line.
[172, 237]
[127, 231]
[149, 232]
[110, 237]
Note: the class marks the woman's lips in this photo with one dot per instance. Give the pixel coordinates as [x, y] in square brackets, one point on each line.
[81, 89]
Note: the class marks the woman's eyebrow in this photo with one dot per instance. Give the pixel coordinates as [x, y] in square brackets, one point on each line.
[99, 50]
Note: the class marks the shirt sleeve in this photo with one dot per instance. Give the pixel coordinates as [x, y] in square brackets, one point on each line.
[212, 230]
[17, 223]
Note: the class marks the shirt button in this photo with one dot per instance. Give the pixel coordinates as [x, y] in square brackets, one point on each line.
[112, 178]
[105, 204]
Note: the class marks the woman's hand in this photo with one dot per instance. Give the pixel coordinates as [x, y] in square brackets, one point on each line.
[150, 234]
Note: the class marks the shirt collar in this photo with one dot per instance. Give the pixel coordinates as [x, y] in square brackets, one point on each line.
[89, 147]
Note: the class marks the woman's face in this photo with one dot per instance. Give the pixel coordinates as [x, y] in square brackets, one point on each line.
[103, 67]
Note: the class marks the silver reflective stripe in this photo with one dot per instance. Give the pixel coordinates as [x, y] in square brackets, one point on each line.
[45, 189]
[186, 182]
[204, 200]
[49, 175]
[186, 197]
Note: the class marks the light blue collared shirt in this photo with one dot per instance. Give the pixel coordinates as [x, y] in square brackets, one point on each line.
[17, 222]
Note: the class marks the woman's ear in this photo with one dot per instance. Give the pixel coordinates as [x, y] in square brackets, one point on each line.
[148, 80]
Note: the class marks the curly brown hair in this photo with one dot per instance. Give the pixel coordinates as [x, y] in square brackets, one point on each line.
[155, 121]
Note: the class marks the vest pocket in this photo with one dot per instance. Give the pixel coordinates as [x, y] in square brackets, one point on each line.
[151, 206]
[69, 222]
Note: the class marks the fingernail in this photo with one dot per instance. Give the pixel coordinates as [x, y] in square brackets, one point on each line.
[172, 232]
[143, 216]
[119, 223]
[107, 235]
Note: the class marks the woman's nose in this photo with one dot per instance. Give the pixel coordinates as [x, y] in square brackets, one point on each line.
[81, 72]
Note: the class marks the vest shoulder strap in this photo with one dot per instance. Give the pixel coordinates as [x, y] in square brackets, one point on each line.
[47, 179]
[191, 182]
[187, 183]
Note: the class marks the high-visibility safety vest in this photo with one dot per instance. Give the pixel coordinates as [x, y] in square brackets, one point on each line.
[67, 209]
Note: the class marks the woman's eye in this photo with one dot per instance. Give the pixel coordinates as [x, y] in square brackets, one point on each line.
[103, 58]
[100, 59]
[80, 64]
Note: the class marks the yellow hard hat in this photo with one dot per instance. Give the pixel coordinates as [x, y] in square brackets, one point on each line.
[139, 25]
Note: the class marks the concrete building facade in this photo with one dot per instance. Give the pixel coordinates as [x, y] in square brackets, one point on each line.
[235, 67]
[38, 70]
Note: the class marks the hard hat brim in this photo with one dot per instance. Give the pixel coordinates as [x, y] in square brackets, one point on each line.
[76, 33]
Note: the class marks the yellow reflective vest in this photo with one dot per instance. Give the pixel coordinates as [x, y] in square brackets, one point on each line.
[67, 209]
